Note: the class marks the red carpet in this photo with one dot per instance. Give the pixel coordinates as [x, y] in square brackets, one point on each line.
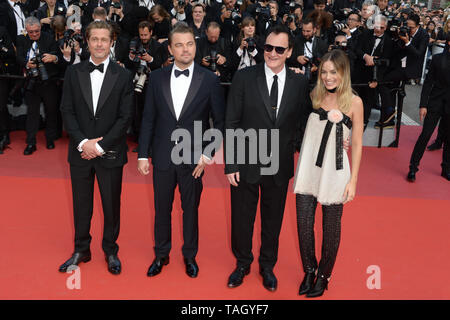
[400, 227]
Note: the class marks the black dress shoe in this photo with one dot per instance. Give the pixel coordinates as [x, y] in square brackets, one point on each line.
[191, 267]
[114, 265]
[75, 259]
[2, 144]
[269, 279]
[237, 276]
[446, 174]
[319, 287]
[50, 145]
[29, 149]
[436, 145]
[411, 176]
[157, 266]
[307, 283]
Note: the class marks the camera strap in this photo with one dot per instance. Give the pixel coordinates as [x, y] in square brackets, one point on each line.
[20, 16]
[32, 52]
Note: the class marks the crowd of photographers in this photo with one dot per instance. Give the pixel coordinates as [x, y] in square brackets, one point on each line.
[386, 43]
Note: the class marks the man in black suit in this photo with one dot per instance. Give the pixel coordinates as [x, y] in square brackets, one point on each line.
[271, 97]
[12, 17]
[39, 44]
[434, 104]
[181, 96]
[96, 107]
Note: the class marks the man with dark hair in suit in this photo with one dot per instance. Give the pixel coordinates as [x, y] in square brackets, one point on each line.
[181, 96]
[434, 104]
[273, 98]
[40, 84]
[97, 107]
[12, 17]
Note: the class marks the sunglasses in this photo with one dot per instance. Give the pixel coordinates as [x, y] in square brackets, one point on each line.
[269, 48]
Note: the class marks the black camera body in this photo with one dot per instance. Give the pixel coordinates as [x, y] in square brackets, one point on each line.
[137, 49]
[338, 47]
[378, 62]
[39, 70]
[263, 13]
[251, 44]
[403, 31]
[116, 5]
[235, 15]
[212, 60]
[83, 6]
[70, 37]
[291, 18]
[181, 3]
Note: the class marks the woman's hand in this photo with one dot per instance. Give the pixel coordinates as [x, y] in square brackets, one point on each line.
[349, 192]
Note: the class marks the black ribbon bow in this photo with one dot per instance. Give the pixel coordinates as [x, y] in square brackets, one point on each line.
[323, 115]
[92, 67]
[178, 73]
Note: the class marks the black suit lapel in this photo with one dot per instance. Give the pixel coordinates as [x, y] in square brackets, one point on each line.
[196, 82]
[109, 81]
[165, 85]
[85, 84]
[288, 88]
[264, 91]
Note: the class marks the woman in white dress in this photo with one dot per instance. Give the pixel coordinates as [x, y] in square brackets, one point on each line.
[323, 171]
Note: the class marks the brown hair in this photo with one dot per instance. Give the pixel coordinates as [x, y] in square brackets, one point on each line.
[180, 27]
[99, 25]
[158, 9]
[146, 24]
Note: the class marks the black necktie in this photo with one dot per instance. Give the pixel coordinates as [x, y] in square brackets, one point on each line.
[274, 98]
[178, 73]
[92, 67]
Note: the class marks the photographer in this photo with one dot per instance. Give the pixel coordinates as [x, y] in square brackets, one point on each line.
[307, 51]
[181, 10]
[264, 25]
[144, 56]
[248, 47]
[341, 8]
[120, 46]
[50, 9]
[36, 53]
[213, 52]
[7, 66]
[161, 23]
[118, 10]
[375, 53]
[293, 19]
[229, 19]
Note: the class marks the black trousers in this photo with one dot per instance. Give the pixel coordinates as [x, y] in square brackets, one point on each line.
[47, 92]
[446, 135]
[110, 185]
[244, 202]
[164, 184]
[442, 130]
[5, 85]
[434, 113]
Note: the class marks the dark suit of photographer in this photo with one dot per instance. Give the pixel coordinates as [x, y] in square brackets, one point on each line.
[36, 88]
[229, 27]
[213, 42]
[46, 12]
[7, 66]
[8, 15]
[264, 25]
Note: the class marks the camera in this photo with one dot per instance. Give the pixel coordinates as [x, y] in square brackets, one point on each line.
[140, 78]
[339, 25]
[212, 60]
[235, 15]
[251, 44]
[308, 66]
[263, 13]
[83, 6]
[292, 6]
[181, 3]
[39, 70]
[137, 49]
[69, 37]
[378, 62]
[403, 31]
[116, 5]
[341, 46]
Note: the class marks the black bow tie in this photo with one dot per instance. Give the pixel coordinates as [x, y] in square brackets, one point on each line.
[178, 73]
[17, 4]
[378, 37]
[92, 67]
[310, 41]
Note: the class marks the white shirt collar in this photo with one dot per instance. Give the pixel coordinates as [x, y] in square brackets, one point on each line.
[352, 30]
[105, 63]
[269, 73]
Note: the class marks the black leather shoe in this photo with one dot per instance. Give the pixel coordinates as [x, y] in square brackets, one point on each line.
[2, 144]
[307, 283]
[50, 145]
[269, 279]
[114, 265]
[237, 276]
[411, 176]
[191, 267]
[319, 287]
[446, 174]
[75, 259]
[436, 145]
[157, 266]
[29, 149]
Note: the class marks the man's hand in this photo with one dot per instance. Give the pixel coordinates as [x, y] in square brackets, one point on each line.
[369, 60]
[302, 59]
[46, 20]
[89, 149]
[47, 58]
[202, 162]
[422, 113]
[297, 70]
[221, 59]
[66, 51]
[347, 31]
[143, 167]
[233, 178]
[244, 44]
[147, 58]
[30, 65]
[404, 38]
[314, 68]
[373, 84]
[205, 62]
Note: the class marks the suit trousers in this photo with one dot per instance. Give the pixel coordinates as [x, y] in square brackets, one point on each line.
[4, 114]
[47, 92]
[429, 124]
[164, 184]
[110, 185]
[244, 202]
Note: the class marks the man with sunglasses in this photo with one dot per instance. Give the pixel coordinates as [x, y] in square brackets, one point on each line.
[273, 98]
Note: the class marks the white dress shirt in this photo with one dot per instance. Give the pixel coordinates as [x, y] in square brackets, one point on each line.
[96, 86]
[146, 3]
[20, 17]
[281, 81]
[179, 88]
[307, 52]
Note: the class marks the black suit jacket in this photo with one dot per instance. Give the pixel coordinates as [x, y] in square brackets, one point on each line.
[319, 48]
[436, 88]
[415, 54]
[205, 97]
[248, 107]
[154, 49]
[111, 119]
[8, 20]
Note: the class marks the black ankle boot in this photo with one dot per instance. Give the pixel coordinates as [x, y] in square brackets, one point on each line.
[307, 283]
[319, 287]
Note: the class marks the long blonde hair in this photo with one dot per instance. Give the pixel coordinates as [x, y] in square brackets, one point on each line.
[344, 90]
